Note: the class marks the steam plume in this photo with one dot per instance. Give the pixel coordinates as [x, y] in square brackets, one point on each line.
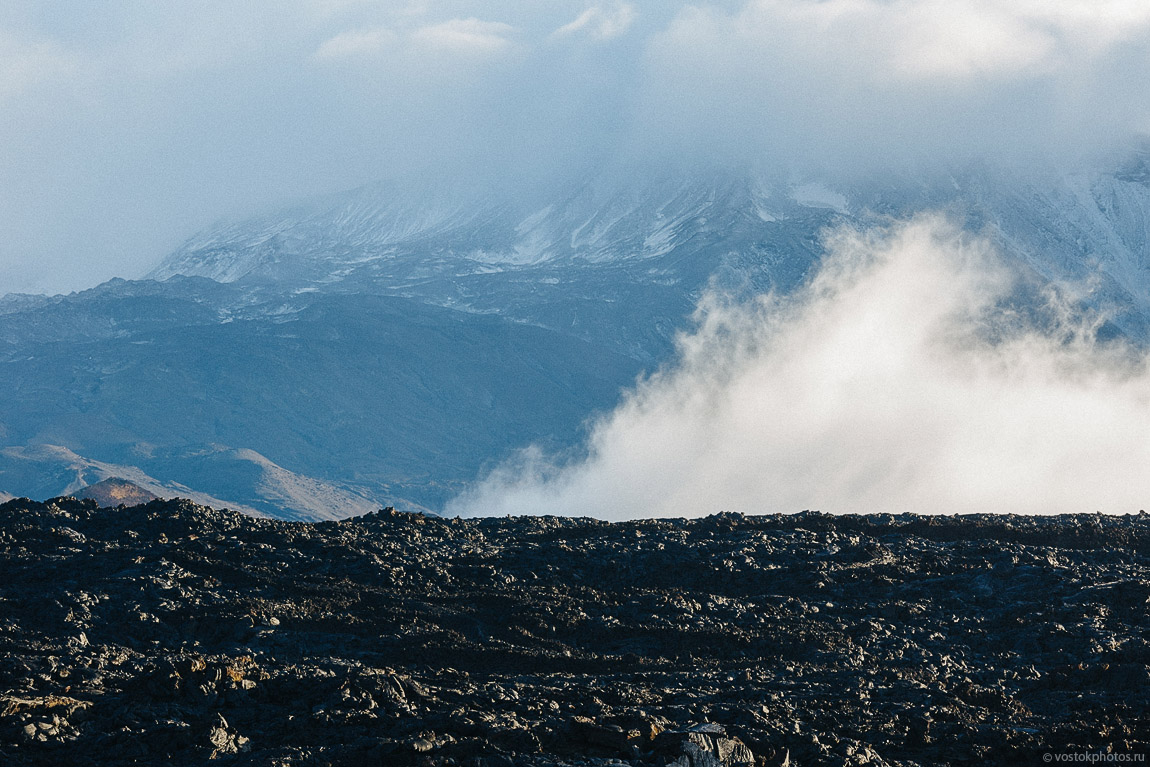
[907, 376]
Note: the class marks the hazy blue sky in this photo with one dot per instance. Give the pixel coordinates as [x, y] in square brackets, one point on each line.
[125, 125]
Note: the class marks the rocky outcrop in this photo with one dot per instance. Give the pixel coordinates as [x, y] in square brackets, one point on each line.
[115, 491]
[174, 633]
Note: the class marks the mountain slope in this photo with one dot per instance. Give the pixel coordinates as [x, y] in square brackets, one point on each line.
[40, 470]
[389, 401]
[385, 346]
[621, 263]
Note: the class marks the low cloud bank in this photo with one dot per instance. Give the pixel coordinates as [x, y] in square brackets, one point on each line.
[127, 126]
[915, 373]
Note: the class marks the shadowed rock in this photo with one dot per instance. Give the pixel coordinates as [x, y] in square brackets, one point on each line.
[174, 633]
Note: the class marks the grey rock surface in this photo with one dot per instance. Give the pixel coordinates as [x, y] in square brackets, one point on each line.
[171, 633]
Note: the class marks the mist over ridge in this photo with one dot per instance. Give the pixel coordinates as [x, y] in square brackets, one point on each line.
[128, 129]
[448, 230]
[390, 348]
[575, 383]
[904, 377]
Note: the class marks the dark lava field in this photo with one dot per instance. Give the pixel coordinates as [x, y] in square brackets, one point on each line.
[170, 633]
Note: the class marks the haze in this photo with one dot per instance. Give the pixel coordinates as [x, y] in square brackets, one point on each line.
[125, 125]
[903, 378]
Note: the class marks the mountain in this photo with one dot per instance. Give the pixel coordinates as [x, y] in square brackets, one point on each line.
[618, 264]
[386, 345]
[41, 470]
[114, 491]
[383, 400]
[656, 242]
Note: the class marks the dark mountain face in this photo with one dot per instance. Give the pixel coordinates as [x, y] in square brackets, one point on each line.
[175, 634]
[389, 398]
[384, 347]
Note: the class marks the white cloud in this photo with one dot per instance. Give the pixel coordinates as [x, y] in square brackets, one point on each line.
[465, 36]
[600, 23]
[458, 37]
[228, 98]
[945, 38]
[899, 380]
[862, 85]
[357, 42]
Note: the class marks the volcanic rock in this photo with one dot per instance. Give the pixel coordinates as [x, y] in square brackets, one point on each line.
[171, 633]
[114, 491]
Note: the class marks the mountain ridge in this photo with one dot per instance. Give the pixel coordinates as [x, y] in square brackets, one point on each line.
[393, 347]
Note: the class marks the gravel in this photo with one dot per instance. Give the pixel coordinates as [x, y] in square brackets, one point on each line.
[171, 633]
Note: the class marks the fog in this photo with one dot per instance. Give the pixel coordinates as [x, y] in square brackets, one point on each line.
[901, 379]
[125, 126]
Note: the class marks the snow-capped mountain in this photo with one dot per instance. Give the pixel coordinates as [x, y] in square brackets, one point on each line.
[604, 240]
[614, 264]
[386, 344]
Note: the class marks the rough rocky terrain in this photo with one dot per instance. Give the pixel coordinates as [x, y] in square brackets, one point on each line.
[171, 633]
[115, 491]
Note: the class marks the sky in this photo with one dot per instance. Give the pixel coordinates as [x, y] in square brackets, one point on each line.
[127, 125]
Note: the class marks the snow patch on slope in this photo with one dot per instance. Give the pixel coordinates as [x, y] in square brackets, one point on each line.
[814, 194]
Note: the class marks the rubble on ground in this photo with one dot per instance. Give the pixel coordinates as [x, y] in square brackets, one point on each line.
[173, 633]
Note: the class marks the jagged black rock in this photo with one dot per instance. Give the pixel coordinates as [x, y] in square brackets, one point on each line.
[174, 633]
